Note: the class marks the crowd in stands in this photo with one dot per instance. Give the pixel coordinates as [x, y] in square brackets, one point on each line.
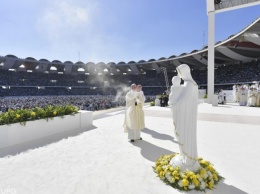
[27, 84]
[92, 103]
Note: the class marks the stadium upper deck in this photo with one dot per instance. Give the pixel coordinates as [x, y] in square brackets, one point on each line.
[243, 46]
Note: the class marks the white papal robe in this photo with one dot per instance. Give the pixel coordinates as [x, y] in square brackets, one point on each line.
[252, 96]
[134, 117]
[243, 97]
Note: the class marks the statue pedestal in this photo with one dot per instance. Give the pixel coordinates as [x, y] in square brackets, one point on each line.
[215, 100]
[176, 162]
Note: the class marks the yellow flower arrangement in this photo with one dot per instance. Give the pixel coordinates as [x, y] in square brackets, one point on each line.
[23, 115]
[206, 177]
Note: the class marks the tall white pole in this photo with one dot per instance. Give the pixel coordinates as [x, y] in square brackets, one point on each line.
[211, 55]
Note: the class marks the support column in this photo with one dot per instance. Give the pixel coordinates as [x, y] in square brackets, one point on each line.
[211, 55]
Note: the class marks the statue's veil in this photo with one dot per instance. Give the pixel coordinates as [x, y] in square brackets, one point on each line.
[184, 72]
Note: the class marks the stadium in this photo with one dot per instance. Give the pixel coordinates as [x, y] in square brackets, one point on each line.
[236, 62]
[64, 126]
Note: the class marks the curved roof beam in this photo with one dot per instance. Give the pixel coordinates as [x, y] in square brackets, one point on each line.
[133, 68]
[100, 67]
[131, 62]
[68, 68]
[200, 59]
[156, 67]
[176, 63]
[111, 66]
[173, 56]
[251, 37]
[142, 61]
[56, 61]
[231, 54]
[121, 63]
[44, 60]
[30, 58]
[9, 63]
[69, 62]
[12, 56]
[191, 61]
[80, 63]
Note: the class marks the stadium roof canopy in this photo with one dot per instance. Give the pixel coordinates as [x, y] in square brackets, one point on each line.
[225, 5]
[241, 47]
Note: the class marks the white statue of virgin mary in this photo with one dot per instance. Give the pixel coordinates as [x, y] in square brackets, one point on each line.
[185, 107]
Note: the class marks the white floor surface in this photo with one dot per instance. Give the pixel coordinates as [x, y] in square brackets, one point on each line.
[103, 161]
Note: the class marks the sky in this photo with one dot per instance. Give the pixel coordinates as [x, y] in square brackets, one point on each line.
[111, 30]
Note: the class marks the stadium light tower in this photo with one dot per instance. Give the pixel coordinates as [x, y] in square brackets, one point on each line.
[217, 6]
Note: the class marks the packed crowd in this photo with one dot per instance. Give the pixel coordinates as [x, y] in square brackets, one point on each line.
[92, 103]
[26, 84]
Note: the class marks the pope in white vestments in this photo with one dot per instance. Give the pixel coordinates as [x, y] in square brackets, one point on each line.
[185, 107]
[134, 117]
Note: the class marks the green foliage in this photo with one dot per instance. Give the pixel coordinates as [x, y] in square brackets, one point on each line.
[23, 115]
[152, 103]
[206, 96]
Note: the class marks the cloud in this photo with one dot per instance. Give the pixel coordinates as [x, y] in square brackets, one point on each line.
[62, 18]
[72, 26]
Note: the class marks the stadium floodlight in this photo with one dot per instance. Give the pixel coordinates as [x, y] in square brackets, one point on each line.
[6, 87]
[53, 68]
[213, 7]
[81, 69]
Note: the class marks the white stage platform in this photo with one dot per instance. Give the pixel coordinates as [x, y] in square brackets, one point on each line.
[102, 160]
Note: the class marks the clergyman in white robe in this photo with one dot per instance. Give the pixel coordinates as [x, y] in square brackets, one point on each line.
[133, 121]
[243, 96]
[252, 96]
[186, 107]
